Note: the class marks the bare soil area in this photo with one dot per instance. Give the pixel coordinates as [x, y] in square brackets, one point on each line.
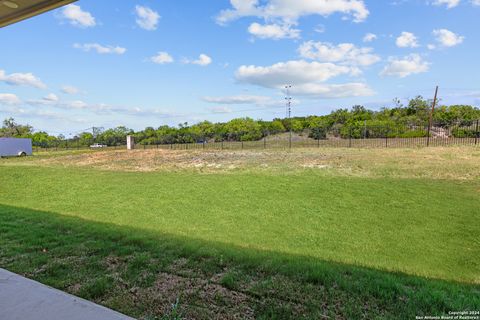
[458, 163]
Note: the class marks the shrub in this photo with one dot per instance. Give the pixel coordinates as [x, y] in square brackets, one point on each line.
[413, 134]
[465, 133]
[318, 133]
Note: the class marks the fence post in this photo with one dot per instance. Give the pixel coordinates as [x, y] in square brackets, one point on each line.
[222, 144]
[264, 142]
[429, 130]
[386, 138]
[350, 137]
[242, 144]
[428, 135]
[430, 121]
[477, 133]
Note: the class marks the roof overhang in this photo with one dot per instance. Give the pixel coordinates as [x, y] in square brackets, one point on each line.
[12, 11]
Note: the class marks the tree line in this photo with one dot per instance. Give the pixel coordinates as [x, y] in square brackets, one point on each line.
[398, 121]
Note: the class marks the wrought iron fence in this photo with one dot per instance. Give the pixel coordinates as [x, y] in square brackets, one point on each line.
[359, 135]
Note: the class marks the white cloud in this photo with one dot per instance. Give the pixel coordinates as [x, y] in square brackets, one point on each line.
[51, 97]
[291, 10]
[346, 53]
[449, 3]
[28, 113]
[70, 90]
[333, 91]
[297, 72]
[53, 101]
[147, 18]
[447, 38]
[203, 60]
[162, 58]
[22, 79]
[307, 78]
[411, 64]
[241, 8]
[273, 31]
[9, 99]
[77, 17]
[100, 49]
[76, 104]
[369, 37]
[220, 110]
[407, 40]
[239, 99]
[453, 3]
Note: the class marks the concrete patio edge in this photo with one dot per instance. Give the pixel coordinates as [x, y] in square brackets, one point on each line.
[25, 299]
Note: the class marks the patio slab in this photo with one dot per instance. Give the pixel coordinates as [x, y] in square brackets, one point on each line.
[25, 299]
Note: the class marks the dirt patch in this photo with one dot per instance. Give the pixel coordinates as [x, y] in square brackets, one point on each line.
[180, 267]
[113, 263]
[197, 298]
[457, 163]
[74, 288]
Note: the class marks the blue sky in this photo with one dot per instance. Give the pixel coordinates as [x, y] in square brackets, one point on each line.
[149, 63]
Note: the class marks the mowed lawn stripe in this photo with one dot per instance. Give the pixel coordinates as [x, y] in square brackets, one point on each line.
[420, 227]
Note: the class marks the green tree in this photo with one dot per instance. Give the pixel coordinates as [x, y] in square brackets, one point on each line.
[85, 139]
[11, 128]
[243, 129]
[42, 139]
[276, 126]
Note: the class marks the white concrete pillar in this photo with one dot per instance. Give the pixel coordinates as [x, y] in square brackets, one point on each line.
[130, 143]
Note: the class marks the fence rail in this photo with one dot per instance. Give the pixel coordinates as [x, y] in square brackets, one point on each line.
[366, 136]
[334, 143]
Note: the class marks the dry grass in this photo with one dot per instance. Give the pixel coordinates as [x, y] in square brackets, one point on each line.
[453, 163]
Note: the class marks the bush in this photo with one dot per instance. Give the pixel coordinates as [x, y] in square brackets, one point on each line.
[465, 133]
[413, 134]
[359, 131]
[318, 133]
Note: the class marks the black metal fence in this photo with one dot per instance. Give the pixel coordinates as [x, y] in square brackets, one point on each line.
[463, 133]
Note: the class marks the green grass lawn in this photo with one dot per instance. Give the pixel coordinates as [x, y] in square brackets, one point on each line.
[261, 244]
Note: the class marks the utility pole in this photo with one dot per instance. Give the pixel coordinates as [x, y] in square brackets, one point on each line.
[288, 98]
[430, 122]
